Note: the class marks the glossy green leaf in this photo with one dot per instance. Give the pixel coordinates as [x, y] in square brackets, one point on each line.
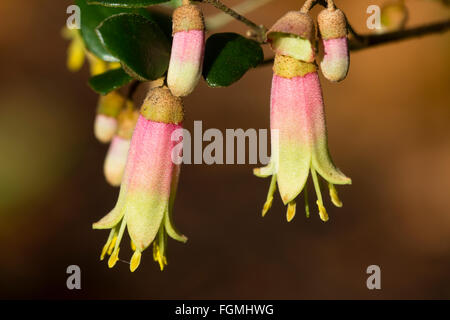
[228, 56]
[139, 43]
[92, 16]
[109, 81]
[126, 3]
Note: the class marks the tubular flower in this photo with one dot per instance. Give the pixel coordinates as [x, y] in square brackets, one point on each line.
[149, 183]
[333, 30]
[116, 156]
[108, 109]
[188, 48]
[300, 145]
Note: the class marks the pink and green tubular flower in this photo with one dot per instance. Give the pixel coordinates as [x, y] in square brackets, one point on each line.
[188, 46]
[149, 184]
[333, 30]
[299, 137]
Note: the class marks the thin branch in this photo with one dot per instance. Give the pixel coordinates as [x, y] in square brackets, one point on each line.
[372, 40]
[259, 29]
[221, 19]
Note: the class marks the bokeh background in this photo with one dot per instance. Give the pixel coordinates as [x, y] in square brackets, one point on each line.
[388, 130]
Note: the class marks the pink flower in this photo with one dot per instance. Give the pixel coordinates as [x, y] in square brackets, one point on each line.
[299, 147]
[149, 183]
[188, 48]
[333, 30]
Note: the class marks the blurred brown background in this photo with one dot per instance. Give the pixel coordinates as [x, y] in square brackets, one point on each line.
[388, 130]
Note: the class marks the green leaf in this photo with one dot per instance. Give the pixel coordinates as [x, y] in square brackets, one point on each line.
[91, 17]
[139, 43]
[109, 81]
[228, 56]
[126, 3]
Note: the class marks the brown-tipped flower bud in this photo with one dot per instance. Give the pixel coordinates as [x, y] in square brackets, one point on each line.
[161, 105]
[294, 35]
[333, 30]
[188, 46]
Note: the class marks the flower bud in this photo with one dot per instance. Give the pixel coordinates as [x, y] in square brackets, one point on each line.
[108, 109]
[294, 35]
[116, 156]
[333, 30]
[188, 46]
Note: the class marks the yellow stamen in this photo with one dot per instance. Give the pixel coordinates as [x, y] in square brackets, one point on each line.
[272, 188]
[159, 257]
[135, 260]
[334, 196]
[267, 206]
[306, 201]
[290, 214]
[114, 258]
[107, 244]
[112, 244]
[322, 212]
[105, 248]
[133, 246]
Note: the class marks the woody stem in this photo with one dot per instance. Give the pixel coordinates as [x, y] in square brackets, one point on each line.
[259, 29]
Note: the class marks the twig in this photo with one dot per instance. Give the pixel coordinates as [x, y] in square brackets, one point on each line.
[221, 19]
[259, 29]
[371, 40]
